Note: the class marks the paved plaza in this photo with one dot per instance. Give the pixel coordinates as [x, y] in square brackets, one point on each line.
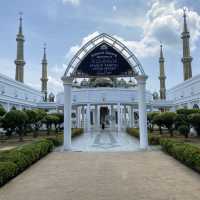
[148, 175]
[112, 175]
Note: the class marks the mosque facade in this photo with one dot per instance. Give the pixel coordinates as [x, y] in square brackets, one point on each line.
[113, 100]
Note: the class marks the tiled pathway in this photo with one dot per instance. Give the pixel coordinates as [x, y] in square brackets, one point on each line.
[105, 141]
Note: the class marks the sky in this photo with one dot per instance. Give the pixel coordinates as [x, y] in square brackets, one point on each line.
[65, 25]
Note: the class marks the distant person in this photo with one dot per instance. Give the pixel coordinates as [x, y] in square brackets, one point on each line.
[103, 126]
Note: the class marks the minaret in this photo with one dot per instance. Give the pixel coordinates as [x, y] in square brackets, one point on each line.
[19, 62]
[44, 78]
[187, 59]
[162, 76]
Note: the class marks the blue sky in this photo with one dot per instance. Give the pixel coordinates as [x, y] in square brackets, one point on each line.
[65, 25]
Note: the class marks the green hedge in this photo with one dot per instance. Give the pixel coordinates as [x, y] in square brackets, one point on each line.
[13, 162]
[153, 139]
[188, 154]
[76, 132]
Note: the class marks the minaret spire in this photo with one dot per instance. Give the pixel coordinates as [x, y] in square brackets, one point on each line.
[162, 76]
[187, 59]
[19, 62]
[44, 78]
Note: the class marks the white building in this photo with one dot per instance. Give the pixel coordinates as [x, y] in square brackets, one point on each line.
[113, 100]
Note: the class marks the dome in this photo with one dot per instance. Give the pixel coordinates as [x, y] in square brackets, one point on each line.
[51, 95]
[122, 83]
[103, 82]
[155, 96]
[75, 83]
[131, 83]
[84, 83]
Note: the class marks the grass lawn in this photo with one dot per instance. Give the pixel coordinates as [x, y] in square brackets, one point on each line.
[13, 141]
[193, 140]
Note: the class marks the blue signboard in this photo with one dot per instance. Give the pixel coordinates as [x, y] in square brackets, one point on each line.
[104, 60]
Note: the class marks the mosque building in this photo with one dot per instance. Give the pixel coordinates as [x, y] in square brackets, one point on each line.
[110, 99]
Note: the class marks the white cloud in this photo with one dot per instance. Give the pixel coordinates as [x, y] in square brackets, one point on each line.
[73, 2]
[55, 84]
[72, 51]
[114, 8]
[163, 22]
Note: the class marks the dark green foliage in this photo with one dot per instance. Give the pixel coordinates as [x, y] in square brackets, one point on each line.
[184, 130]
[2, 111]
[60, 117]
[56, 141]
[158, 120]
[153, 139]
[40, 114]
[76, 132]
[194, 120]
[49, 120]
[168, 119]
[13, 162]
[186, 153]
[7, 171]
[150, 117]
[15, 120]
[187, 111]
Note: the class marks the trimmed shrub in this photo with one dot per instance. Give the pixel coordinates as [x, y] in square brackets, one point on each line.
[194, 120]
[153, 139]
[13, 162]
[150, 117]
[168, 119]
[76, 132]
[56, 141]
[15, 120]
[158, 120]
[7, 171]
[184, 130]
[2, 111]
[188, 154]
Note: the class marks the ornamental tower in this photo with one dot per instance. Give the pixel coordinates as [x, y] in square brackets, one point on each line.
[19, 62]
[44, 78]
[187, 59]
[162, 76]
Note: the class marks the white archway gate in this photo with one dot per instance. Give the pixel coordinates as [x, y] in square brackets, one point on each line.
[128, 66]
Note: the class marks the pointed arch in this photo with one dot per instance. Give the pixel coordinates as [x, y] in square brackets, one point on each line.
[112, 42]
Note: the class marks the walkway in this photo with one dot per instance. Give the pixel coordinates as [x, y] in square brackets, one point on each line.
[105, 176]
[105, 141]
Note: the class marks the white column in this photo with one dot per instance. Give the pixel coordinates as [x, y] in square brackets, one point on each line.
[132, 117]
[125, 120]
[88, 118]
[96, 117]
[141, 80]
[129, 117]
[112, 116]
[118, 118]
[77, 116]
[67, 83]
[82, 117]
[8, 107]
